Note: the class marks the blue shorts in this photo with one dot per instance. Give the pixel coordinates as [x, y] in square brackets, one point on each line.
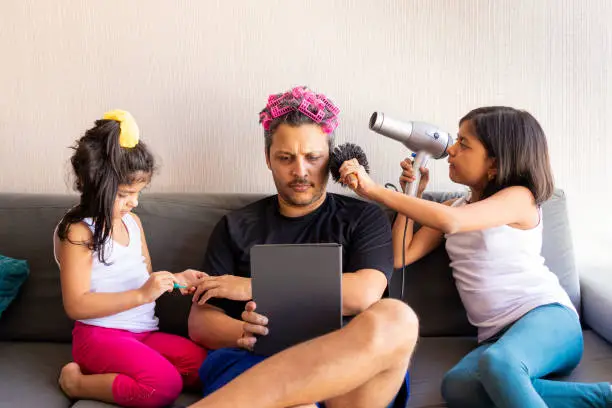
[223, 365]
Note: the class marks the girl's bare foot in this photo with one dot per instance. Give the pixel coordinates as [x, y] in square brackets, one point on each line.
[70, 379]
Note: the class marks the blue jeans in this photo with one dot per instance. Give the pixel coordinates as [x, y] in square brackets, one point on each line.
[507, 371]
[223, 365]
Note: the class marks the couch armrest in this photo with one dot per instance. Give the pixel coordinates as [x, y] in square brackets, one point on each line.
[596, 290]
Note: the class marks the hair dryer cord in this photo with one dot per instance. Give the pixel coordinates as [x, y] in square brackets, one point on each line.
[391, 185]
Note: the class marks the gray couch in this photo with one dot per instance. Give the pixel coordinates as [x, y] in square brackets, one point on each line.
[35, 333]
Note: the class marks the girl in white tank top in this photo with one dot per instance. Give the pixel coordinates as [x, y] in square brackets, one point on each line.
[126, 269]
[527, 325]
[108, 285]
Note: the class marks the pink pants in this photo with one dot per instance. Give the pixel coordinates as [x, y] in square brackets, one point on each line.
[152, 366]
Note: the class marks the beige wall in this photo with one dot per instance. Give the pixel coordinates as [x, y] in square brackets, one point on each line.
[196, 73]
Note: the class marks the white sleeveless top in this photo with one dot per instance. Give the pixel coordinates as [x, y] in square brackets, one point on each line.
[500, 275]
[127, 270]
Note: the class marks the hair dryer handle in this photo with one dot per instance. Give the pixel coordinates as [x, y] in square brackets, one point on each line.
[420, 160]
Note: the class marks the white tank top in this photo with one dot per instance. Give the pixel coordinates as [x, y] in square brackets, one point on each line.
[500, 275]
[127, 270]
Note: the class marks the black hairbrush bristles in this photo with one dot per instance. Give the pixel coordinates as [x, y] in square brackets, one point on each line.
[343, 153]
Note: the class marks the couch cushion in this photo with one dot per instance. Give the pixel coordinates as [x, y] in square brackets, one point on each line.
[27, 222]
[596, 364]
[596, 287]
[30, 372]
[183, 400]
[434, 356]
[557, 247]
[36, 366]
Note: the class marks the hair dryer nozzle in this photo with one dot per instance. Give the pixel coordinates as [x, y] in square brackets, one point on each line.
[376, 121]
[400, 131]
[416, 136]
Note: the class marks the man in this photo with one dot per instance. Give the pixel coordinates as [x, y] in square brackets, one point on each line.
[364, 364]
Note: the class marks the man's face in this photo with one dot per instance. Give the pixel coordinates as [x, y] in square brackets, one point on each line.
[298, 160]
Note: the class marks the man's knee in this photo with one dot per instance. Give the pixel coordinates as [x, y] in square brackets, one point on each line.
[391, 324]
[396, 316]
[461, 389]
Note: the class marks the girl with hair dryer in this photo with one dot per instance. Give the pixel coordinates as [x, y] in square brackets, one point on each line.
[108, 284]
[527, 325]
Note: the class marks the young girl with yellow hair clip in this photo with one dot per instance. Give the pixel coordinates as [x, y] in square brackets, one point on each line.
[108, 284]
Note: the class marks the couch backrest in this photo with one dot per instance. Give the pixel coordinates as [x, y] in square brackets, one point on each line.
[431, 292]
[178, 227]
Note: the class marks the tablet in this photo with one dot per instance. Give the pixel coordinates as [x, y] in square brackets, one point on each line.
[298, 288]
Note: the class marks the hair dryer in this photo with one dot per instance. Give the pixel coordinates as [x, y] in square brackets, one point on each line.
[423, 139]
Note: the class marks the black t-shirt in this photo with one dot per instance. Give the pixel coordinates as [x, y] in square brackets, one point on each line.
[361, 228]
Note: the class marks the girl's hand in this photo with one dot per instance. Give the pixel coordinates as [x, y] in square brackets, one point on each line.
[365, 185]
[408, 176]
[189, 278]
[156, 285]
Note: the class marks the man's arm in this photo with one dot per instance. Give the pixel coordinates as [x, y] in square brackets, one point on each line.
[371, 257]
[361, 289]
[210, 327]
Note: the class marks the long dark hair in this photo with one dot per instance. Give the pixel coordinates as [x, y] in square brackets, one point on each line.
[100, 165]
[516, 140]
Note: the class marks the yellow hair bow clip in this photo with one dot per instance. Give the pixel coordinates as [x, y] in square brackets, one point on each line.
[130, 134]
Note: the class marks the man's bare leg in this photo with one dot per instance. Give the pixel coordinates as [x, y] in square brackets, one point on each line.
[343, 367]
[376, 393]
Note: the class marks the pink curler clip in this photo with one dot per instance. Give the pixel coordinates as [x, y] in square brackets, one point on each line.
[334, 109]
[317, 117]
[330, 126]
[297, 92]
[276, 111]
[274, 100]
[315, 106]
[266, 120]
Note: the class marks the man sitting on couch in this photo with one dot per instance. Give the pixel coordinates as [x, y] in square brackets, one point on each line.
[365, 363]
